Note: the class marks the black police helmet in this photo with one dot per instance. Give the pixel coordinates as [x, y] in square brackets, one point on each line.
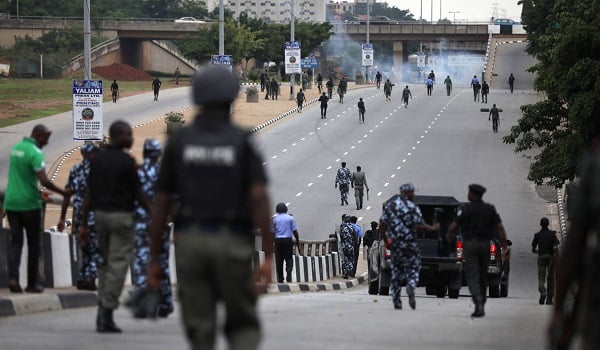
[214, 85]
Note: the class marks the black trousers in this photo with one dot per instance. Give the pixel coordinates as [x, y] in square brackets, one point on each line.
[477, 256]
[323, 110]
[283, 252]
[30, 221]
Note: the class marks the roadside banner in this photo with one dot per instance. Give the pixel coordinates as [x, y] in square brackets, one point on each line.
[4, 67]
[292, 57]
[310, 62]
[87, 110]
[421, 60]
[224, 60]
[367, 55]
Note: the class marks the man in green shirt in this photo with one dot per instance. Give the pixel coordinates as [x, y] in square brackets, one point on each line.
[23, 206]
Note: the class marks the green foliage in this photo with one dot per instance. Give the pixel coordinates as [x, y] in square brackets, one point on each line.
[393, 13]
[563, 38]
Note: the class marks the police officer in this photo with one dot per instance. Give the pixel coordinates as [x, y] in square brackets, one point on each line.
[320, 82]
[400, 220]
[359, 183]
[371, 235]
[405, 95]
[114, 88]
[156, 84]
[485, 90]
[511, 82]
[274, 89]
[544, 244]
[387, 90]
[343, 178]
[148, 174]
[216, 172]
[329, 86]
[323, 99]
[348, 242]
[300, 99]
[77, 186]
[284, 227]
[361, 110]
[479, 223]
[495, 116]
[342, 87]
[448, 83]
[378, 78]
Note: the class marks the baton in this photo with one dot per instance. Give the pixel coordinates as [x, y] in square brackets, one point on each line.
[367, 194]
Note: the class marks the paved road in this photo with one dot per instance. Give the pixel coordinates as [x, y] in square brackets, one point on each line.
[134, 109]
[439, 143]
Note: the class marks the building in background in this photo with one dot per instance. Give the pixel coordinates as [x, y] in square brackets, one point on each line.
[279, 10]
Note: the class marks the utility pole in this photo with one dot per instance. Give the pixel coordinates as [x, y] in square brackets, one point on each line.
[221, 28]
[368, 33]
[440, 10]
[454, 15]
[431, 11]
[293, 75]
[421, 20]
[87, 44]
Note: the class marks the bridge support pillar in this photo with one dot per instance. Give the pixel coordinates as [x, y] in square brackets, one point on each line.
[398, 52]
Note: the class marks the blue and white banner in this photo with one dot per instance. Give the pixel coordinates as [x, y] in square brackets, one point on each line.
[367, 55]
[293, 57]
[87, 110]
[310, 62]
[224, 60]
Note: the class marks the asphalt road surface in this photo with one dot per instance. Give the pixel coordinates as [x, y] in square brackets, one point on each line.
[439, 143]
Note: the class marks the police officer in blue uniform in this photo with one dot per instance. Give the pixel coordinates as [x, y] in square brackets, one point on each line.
[284, 228]
[400, 220]
[148, 174]
[77, 186]
[214, 170]
[479, 223]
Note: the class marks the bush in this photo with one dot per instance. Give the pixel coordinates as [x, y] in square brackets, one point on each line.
[174, 117]
[253, 75]
[252, 90]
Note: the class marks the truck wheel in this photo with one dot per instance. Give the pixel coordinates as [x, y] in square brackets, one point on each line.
[494, 291]
[373, 286]
[441, 292]
[453, 293]
[504, 290]
[430, 291]
[384, 290]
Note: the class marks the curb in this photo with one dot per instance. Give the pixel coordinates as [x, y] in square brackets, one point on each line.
[316, 287]
[23, 304]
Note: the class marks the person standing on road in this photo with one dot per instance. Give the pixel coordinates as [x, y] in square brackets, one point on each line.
[359, 235]
[479, 222]
[320, 82]
[329, 86]
[431, 76]
[348, 241]
[387, 90]
[77, 186]
[400, 220]
[547, 242]
[274, 89]
[378, 78]
[371, 235]
[216, 173]
[323, 99]
[359, 183]
[405, 95]
[511, 82]
[156, 84]
[23, 206]
[284, 227]
[448, 83]
[148, 175]
[485, 90]
[342, 88]
[177, 75]
[495, 116]
[263, 81]
[113, 187]
[429, 85]
[300, 99]
[476, 87]
[342, 178]
[361, 110]
[114, 89]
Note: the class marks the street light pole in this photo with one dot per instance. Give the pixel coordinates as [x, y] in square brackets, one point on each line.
[221, 28]
[292, 34]
[454, 13]
[368, 33]
[421, 20]
[87, 56]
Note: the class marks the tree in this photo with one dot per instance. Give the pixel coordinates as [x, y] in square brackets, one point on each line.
[393, 13]
[563, 38]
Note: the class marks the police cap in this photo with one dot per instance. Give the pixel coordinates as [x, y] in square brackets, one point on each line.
[477, 189]
[214, 85]
[151, 148]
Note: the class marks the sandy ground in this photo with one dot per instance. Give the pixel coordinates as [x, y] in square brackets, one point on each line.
[244, 113]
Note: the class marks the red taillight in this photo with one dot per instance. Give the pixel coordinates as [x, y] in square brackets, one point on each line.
[459, 249]
[492, 251]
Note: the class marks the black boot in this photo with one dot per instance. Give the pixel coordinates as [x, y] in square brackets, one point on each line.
[105, 322]
[549, 300]
[542, 299]
[479, 307]
[411, 297]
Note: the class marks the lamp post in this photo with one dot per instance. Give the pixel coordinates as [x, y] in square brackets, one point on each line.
[454, 13]
[221, 28]
[368, 33]
[87, 56]
[293, 75]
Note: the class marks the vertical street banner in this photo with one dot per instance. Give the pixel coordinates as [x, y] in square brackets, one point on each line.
[87, 110]
[223, 60]
[293, 58]
[421, 60]
[367, 55]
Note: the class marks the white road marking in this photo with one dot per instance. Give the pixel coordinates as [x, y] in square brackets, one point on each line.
[378, 194]
[337, 160]
[381, 122]
[265, 163]
[435, 118]
[368, 208]
[302, 139]
[359, 219]
[418, 142]
[284, 150]
[359, 141]
[391, 113]
[438, 115]
[365, 135]
[299, 194]
[386, 184]
[353, 147]
[376, 126]
[320, 176]
[385, 118]
[398, 167]
[325, 124]
[429, 127]
[329, 167]
[294, 144]
[310, 184]
[310, 133]
[344, 112]
[274, 157]
[318, 128]
[426, 131]
[409, 154]
[414, 147]
[345, 153]
[393, 176]
[422, 136]
[403, 160]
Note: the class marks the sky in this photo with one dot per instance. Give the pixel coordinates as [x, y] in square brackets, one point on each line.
[471, 10]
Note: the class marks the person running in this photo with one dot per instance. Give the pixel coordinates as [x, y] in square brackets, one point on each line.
[511, 82]
[323, 99]
[495, 116]
[405, 95]
[300, 99]
[156, 83]
[361, 110]
[429, 85]
[114, 89]
[387, 90]
[378, 78]
[485, 90]
[448, 83]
